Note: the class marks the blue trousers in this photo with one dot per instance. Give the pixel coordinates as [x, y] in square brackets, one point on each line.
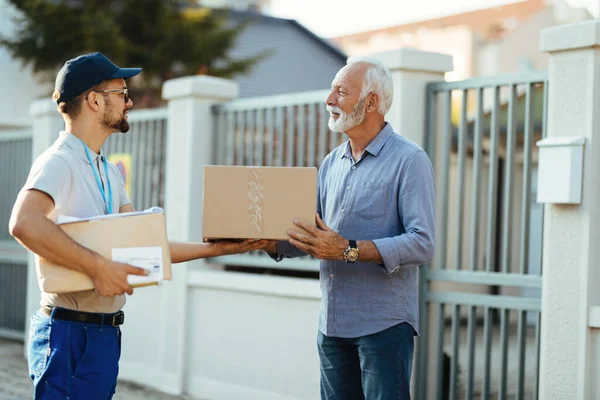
[72, 360]
[372, 367]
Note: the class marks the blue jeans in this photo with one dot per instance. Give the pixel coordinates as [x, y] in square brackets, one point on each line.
[372, 367]
[72, 360]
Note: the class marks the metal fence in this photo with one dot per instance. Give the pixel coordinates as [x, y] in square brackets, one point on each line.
[15, 161]
[140, 154]
[480, 297]
[285, 130]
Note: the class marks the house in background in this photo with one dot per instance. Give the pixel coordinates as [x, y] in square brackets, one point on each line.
[490, 41]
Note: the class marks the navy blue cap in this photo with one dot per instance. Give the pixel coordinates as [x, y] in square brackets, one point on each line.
[83, 72]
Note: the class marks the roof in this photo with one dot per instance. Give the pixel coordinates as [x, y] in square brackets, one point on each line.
[298, 59]
[256, 16]
[489, 23]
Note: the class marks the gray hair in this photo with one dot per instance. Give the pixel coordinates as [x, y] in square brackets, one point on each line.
[377, 80]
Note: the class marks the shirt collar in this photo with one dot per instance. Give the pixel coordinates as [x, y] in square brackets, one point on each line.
[376, 144]
[77, 147]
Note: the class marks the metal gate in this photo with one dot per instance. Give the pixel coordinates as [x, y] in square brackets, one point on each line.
[481, 296]
[15, 161]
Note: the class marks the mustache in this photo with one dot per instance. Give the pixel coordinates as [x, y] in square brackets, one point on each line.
[333, 109]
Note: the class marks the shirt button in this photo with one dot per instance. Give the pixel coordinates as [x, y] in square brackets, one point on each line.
[337, 231]
[331, 275]
[342, 210]
[354, 167]
[347, 187]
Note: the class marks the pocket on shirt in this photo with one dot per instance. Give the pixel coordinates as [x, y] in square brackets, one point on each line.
[371, 199]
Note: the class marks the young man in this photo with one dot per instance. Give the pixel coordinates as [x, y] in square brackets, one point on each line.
[376, 225]
[74, 345]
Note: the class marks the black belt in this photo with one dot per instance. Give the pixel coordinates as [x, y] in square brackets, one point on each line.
[85, 317]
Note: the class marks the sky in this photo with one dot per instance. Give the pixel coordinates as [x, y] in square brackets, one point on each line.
[330, 18]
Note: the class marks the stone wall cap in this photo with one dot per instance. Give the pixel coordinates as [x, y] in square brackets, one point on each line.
[416, 60]
[581, 35]
[201, 86]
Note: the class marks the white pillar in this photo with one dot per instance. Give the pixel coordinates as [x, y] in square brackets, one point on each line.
[411, 71]
[190, 146]
[46, 124]
[569, 362]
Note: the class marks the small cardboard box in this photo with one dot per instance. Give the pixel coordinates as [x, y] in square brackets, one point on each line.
[257, 202]
[139, 238]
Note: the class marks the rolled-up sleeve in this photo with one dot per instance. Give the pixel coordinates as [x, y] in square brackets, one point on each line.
[416, 207]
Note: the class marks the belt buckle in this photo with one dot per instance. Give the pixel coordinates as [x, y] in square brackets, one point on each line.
[118, 319]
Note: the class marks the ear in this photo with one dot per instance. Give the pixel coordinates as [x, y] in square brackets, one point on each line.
[372, 102]
[93, 101]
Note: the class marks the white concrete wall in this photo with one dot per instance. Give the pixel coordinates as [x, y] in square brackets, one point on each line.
[252, 337]
[570, 295]
[19, 87]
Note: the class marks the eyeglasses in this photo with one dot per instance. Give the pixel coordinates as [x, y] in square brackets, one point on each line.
[124, 91]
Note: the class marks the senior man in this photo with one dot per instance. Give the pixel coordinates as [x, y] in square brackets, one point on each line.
[375, 226]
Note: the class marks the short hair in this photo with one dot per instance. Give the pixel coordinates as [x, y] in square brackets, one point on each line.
[72, 108]
[378, 79]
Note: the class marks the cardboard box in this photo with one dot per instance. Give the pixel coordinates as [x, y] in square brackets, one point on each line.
[257, 202]
[139, 238]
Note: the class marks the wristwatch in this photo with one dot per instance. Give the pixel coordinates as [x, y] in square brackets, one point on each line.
[351, 253]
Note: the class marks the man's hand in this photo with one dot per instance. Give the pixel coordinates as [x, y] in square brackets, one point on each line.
[320, 242]
[225, 247]
[110, 278]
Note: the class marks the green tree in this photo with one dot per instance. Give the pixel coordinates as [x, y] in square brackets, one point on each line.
[167, 38]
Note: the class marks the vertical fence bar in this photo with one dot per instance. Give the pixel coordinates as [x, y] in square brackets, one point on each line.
[538, 331]
[526, 204]
[279, 124]
[475, 223]
[424, 305]
[508, 182]
[440, 352]
[240, 138]
[447, 140]
[290, 136]
[250, 137]
[270, 136]
[462, 145]
[544, 133]
[301, 135]
[487, 353]
[138, 161]
[471, 353]
[230, 158]
[323, 132]
[260, 137]
[149, 163]
[490, 245]
[455, 338]
[521, 343]
[312, 127]
[423, 339]
[504, 322]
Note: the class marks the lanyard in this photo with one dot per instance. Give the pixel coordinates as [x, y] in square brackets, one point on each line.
[98, 181]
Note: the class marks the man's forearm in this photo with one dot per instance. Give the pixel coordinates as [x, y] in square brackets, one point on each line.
[368, 252]
[181, 252]
[46, 239]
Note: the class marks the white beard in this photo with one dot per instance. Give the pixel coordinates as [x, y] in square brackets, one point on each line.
[346, 121]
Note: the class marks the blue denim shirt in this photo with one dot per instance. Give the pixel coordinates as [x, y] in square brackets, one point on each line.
[387, 196]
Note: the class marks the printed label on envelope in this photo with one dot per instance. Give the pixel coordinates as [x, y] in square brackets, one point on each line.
[149, 258]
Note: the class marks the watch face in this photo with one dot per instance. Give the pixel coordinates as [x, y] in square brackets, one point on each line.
[352, 254]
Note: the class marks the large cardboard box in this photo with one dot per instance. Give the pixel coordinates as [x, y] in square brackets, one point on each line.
[139, 238]
[257, 202]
